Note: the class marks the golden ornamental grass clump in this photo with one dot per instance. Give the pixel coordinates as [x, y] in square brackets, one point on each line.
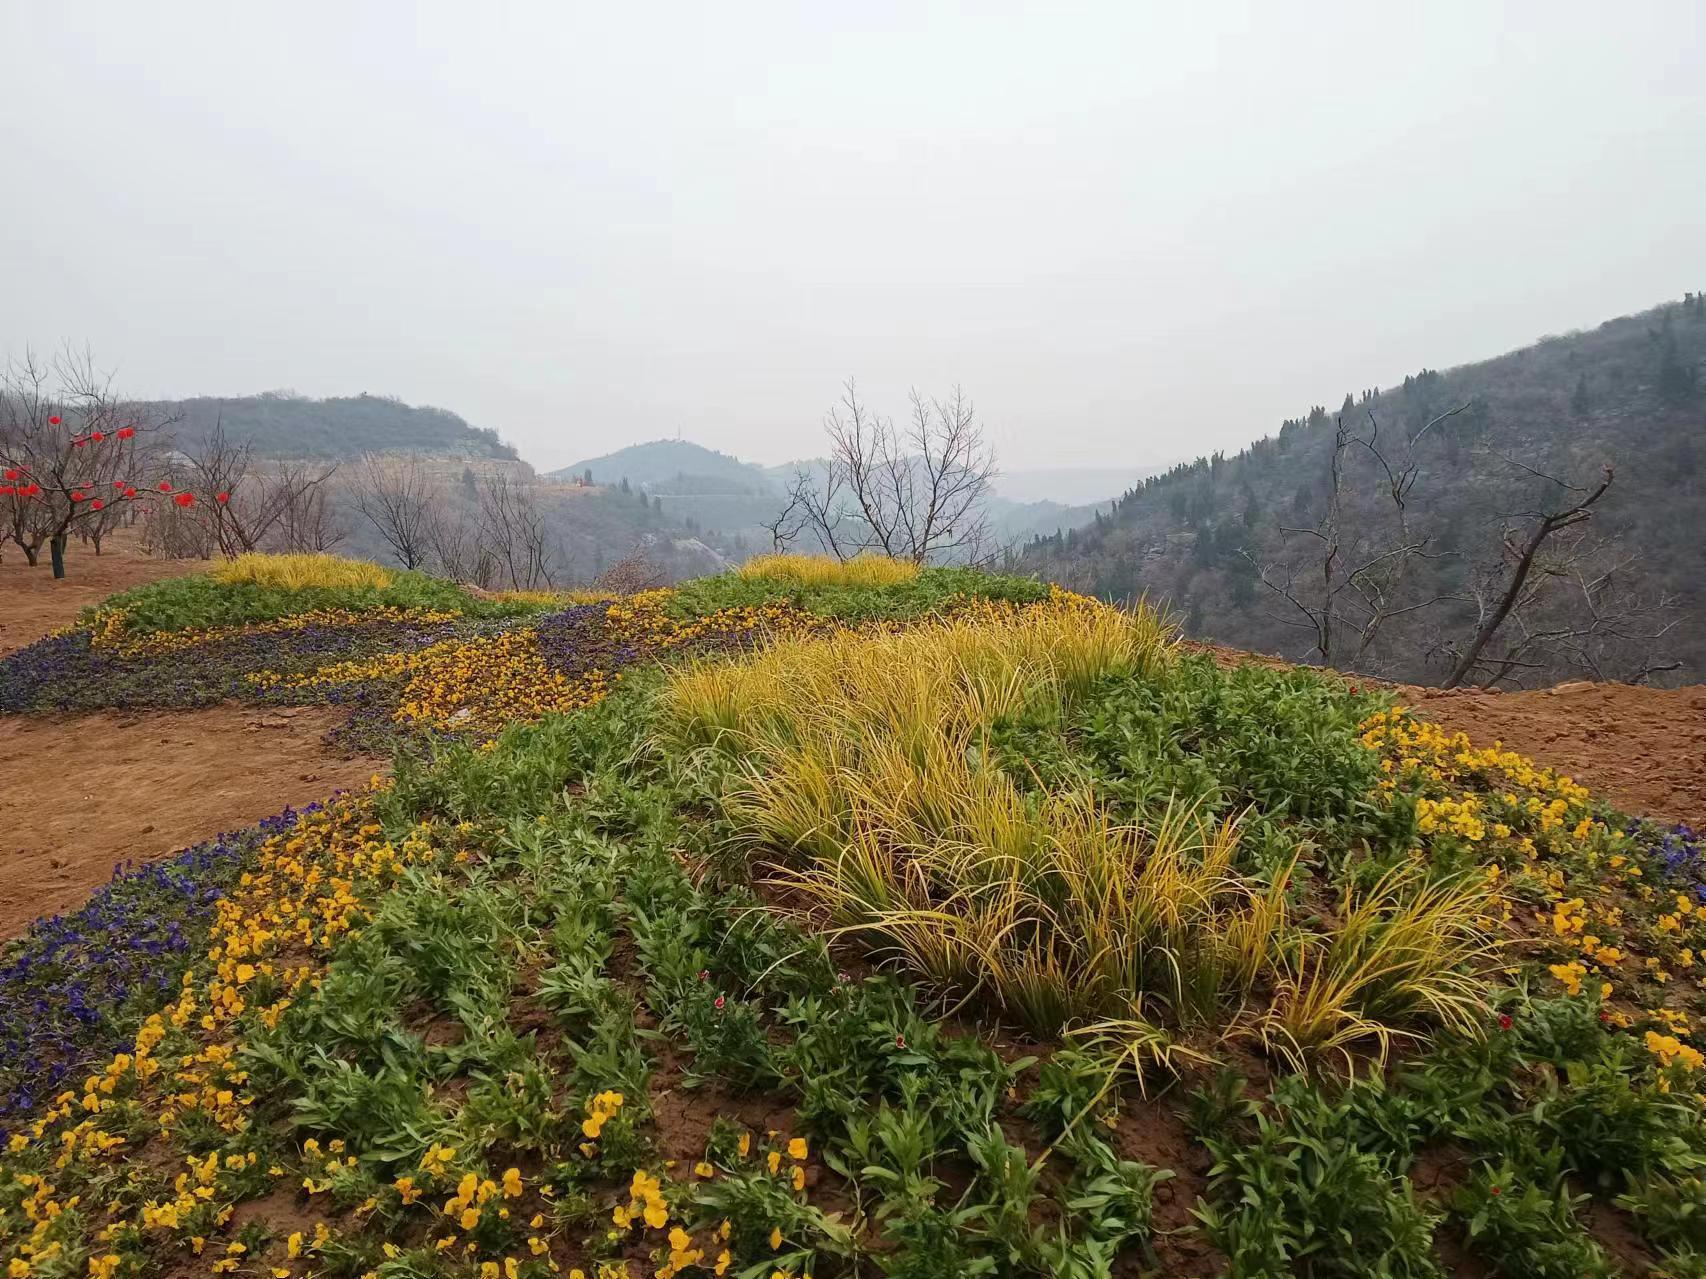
[868, 773]
[824, 570]
[300, 572]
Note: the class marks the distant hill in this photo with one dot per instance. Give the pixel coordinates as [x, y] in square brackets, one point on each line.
[1630, 393]
[679, 465]
[732, 501]
[285, 425]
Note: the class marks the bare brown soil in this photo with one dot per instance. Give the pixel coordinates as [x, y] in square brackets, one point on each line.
[84, 793]
[32, 604]
[80, 794]
[1642, 749]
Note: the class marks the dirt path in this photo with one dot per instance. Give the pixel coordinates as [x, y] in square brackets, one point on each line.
[79, 794]
[86, 793]
[32, 604]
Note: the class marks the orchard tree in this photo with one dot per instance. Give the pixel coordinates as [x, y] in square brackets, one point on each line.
[69, 451]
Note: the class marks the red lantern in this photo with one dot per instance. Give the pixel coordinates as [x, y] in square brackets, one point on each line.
[77, 444]
[96, 436]
[11, 472]
[54, 420]
[128, 491]
[125, 432]
[96, 505]
[222, 498]
[165, 486]
[76, 495]
[32, 490]
[185, 499]
[118, 484]
[5, 490]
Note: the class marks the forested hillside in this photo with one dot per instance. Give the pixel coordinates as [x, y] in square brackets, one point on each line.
[1387, 534]
[283, 424]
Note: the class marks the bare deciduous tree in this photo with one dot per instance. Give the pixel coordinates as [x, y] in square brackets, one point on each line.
[915, 494]
[248, 505]
[1549, 599]
[457, 551]
[512, 531]
[396, 496]
[1552, 598]
[1353, 582]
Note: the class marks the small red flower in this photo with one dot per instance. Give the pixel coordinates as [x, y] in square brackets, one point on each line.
[718, 1003]
[185, 499]
[222, 498]
[704, 974]
[1495, 1190]
[1353, 690]
[165, 486]
[900, 1041]
[1504, 1021]
[96, 505]
[1604, 1016]
[54, 420]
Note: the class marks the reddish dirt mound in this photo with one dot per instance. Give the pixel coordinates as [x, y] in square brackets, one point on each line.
[1643, 749]
[82, 794]
[33, 604]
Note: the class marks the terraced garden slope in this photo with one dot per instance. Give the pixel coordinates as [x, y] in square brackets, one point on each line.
[834, 921]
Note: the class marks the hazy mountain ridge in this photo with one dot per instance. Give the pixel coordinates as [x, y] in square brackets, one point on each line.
[718, 492]
[1630, 393]
[283, 424]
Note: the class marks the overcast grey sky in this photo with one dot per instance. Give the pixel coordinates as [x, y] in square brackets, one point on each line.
[1134, 232]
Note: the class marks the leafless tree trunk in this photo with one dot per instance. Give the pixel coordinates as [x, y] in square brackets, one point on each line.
[307, 520]
[1513, 589]
[915, 494]
[1354, 583]
[396, 496]
[245, 505]
[512, 531]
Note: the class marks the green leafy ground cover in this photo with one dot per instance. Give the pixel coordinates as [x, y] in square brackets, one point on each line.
[546, 1004]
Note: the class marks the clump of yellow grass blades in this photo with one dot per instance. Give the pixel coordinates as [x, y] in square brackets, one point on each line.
[823, 570]
[299, 572]
[866, 763]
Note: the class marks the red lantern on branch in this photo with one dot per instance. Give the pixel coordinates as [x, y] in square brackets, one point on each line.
[185, 499]
[125, 432]
[54, 420]
[165, 486]
[222, 498]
